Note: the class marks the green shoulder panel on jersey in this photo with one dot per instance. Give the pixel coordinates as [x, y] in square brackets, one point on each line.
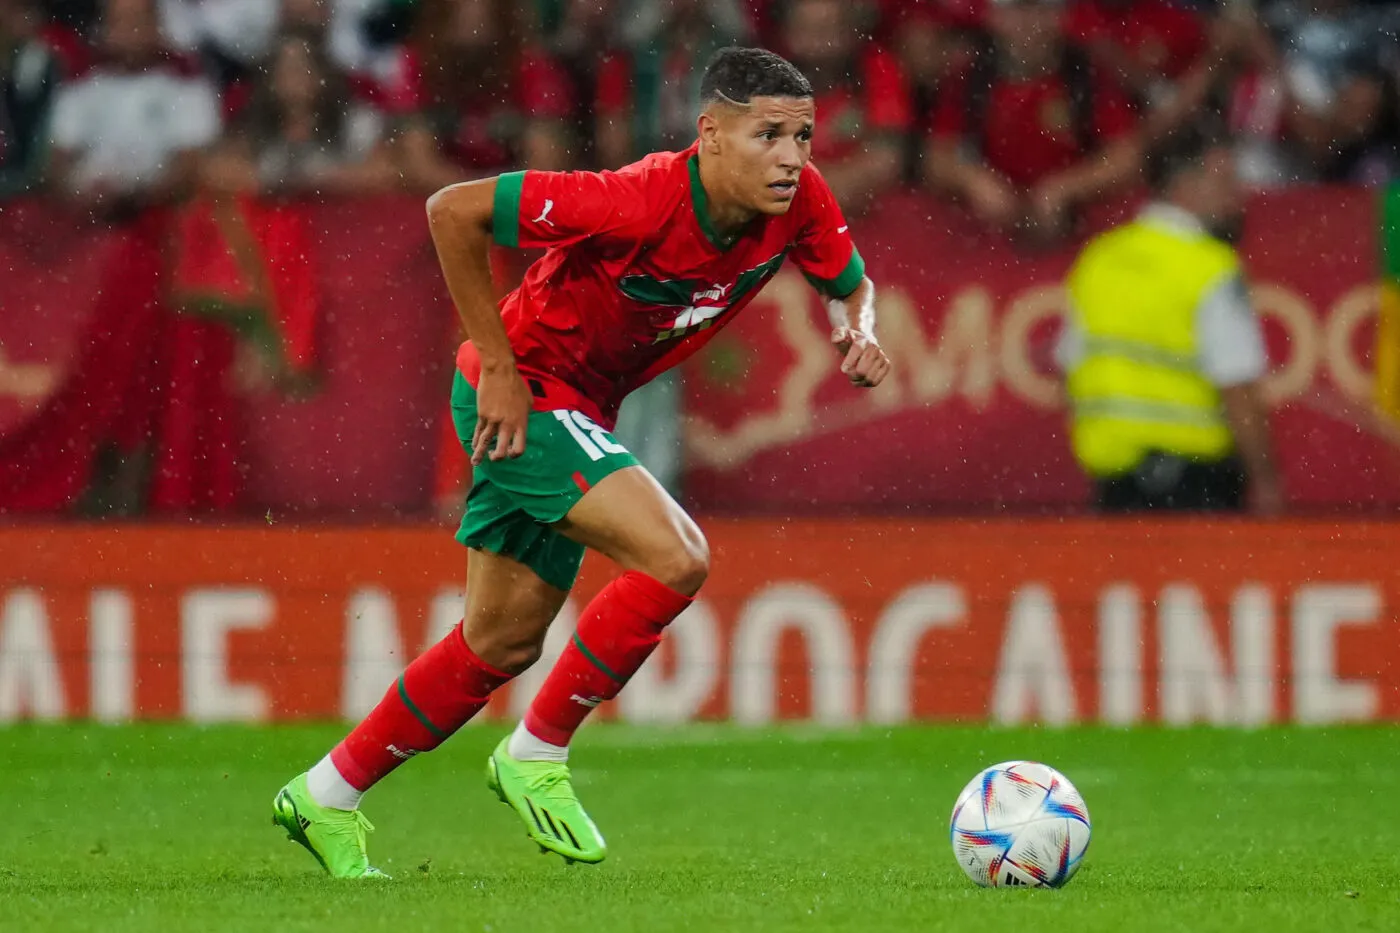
[844, 284]
[505, 209]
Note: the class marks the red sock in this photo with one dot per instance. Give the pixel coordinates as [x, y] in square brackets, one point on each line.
[617, 632]
[442, 689]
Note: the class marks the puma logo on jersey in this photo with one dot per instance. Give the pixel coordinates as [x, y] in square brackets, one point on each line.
[716, 293]
[544, 214]
[589, 702]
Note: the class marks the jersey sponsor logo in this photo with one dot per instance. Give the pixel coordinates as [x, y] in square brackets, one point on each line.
[700, 302]
[544, 214]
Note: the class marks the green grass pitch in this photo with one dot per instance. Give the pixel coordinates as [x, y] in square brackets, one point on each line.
[712, 828]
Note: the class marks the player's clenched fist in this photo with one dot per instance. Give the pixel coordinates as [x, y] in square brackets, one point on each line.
[502, 412]
[863, 362]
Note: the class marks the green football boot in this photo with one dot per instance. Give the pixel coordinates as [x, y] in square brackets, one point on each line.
[541, 794]
[335, 837]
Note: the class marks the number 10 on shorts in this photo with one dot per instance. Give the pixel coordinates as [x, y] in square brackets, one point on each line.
[592, 438]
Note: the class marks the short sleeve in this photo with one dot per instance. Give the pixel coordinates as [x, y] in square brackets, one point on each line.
[1231, 338]
[824, 250]
[535, 209]
[67, 124]
[1069, 347]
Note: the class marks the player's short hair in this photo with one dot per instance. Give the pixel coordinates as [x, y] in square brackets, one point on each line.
[738, 75]
[1181, 151]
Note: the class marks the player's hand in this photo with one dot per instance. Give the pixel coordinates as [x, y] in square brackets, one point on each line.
[502, 413]
[863, 362]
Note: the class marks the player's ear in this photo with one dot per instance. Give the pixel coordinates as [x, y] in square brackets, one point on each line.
[707, 127]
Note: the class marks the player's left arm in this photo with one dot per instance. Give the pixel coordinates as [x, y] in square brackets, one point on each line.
[828, 257]
[853, 334]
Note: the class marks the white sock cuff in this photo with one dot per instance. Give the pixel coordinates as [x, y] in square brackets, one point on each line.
[329, 788]
[526, 746]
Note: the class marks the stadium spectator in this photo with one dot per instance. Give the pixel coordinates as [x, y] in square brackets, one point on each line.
[129, 132]
[485, 98]
[1311, 91]
[366, 40]
[230, 36]
[301, 134]
[935, 46]
[1342, 101]
[648, 95]
[1163, 351]
[1145, 45]
[862, 98]
[581, 36]
[29, 77]
[1238, 76]
[1032, 131]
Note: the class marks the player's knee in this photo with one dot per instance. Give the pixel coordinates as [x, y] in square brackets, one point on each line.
[510, 653]
[505, 646]
[685, 564]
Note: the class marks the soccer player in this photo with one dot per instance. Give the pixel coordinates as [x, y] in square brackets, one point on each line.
[644, 266]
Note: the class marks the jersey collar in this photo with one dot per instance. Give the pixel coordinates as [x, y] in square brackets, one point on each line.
[700, 202]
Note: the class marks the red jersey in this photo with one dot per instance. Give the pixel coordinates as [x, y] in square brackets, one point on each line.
[636, 279]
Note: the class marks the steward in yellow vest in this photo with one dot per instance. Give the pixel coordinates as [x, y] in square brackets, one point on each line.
[1163, 352]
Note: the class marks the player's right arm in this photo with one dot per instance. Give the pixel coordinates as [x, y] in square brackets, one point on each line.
[460, 219]
[519, 209]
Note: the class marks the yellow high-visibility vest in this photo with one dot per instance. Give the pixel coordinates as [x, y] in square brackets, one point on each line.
[1134, 294]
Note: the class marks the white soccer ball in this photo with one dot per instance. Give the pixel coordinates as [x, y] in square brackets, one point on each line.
[1020, 824]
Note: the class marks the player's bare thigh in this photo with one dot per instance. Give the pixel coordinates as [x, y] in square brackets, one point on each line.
[508, 610]
[630, 518]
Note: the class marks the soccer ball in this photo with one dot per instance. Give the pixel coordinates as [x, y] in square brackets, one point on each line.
[1020, 824]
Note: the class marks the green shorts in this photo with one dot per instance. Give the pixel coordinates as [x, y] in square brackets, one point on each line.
[513, 502]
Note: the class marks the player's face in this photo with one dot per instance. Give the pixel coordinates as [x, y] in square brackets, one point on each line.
[762, 149]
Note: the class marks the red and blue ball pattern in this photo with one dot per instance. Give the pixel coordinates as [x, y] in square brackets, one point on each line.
[1020, 824]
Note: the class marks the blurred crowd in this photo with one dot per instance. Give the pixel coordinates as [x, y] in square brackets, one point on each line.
[1024, 110]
